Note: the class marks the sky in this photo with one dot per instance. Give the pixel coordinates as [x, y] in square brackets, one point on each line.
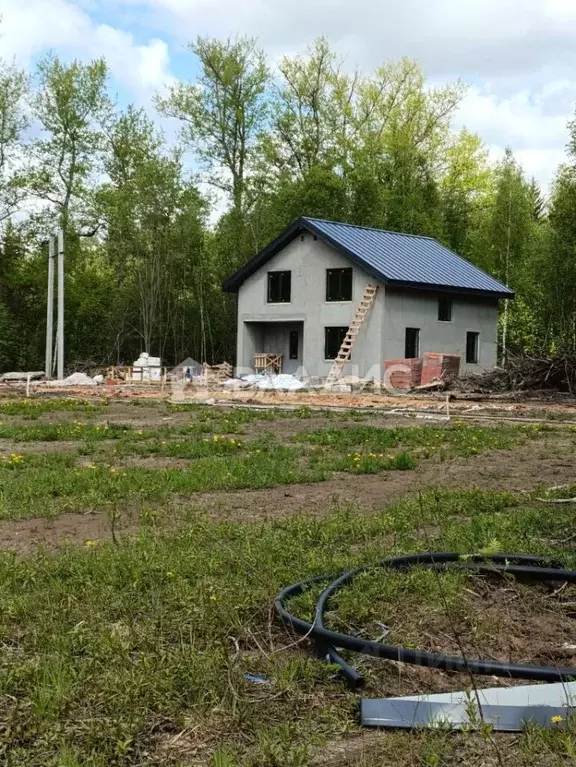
[517, 57]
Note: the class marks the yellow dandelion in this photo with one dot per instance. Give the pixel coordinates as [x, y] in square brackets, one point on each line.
[557, 719]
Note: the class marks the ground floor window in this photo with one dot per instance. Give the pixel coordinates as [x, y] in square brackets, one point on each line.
[472, 344]
[333, 338]
[293, 345]
[412, 344]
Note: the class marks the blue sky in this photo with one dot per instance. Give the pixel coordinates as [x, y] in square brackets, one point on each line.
[518, 57]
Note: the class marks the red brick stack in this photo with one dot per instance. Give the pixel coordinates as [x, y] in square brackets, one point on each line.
[440, 367]
[408, 374]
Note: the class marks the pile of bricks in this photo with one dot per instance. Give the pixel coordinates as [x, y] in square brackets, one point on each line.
[403, 373]
[440, 367]
[407, 374]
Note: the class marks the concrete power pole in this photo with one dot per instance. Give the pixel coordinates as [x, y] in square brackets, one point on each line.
[60, 327]
[50, 309]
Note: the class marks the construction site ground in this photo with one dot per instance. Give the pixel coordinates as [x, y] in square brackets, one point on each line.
[142, 541]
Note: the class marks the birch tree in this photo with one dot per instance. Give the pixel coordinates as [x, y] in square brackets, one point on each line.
[223, 111]
[13, 123]
[71, 105]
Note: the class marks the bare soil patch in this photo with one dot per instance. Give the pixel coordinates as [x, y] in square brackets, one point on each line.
[524, 468]
[39, 534]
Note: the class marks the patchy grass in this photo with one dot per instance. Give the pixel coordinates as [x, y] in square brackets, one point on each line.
[34, 408]
[33, 485]
[70, 432]
[135, 654]
[462, 439]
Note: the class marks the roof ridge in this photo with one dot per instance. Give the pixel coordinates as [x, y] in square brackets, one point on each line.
[370, 228]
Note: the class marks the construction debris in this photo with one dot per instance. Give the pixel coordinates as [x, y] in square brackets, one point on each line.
[215, 375]
[523, 373]
[147, 368]
[21, 377]
[76, 379]
[262, 382]
[268, 363]
[282, 382]
[438, 366]
[507, 709]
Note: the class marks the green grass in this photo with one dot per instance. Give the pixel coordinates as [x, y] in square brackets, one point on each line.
[34, 408]
[69, 432]
[112, 652]
[134, 653]
[31, 487]
[462, 439]
[35, 485]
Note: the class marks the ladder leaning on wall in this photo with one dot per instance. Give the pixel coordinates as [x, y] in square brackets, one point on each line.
[362, 311]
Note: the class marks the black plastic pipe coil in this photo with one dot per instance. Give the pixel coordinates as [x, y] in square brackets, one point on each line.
[519, 565]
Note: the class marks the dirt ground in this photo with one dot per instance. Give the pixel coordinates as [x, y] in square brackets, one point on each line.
[537, 629]
[523, 404]
[522, 469]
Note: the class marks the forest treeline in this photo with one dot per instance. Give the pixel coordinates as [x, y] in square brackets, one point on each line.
[152, 227]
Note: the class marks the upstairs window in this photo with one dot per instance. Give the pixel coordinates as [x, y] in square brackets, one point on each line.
[279, 287]
[338, 284]
[444, 310]
[412, 345]
[472, 348]
[333, 338]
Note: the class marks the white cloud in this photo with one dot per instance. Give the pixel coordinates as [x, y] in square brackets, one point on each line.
[31, 27]
[447, 36]
[521, 121]
[519, 55]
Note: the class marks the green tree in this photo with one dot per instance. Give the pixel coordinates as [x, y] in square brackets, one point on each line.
[13, 123]
[71, 105]
[559, 268]
[223, 111]
[465, 186]
[153, 220]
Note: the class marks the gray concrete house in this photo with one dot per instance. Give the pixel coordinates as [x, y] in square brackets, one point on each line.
[383, 294]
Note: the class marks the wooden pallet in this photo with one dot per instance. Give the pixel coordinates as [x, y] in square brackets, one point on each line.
[268, 363]
[362, 311]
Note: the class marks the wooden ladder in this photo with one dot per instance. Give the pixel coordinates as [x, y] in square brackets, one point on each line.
[362, 311]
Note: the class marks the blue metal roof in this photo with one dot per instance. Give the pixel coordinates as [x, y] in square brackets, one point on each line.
[402, 260]
[408, 258]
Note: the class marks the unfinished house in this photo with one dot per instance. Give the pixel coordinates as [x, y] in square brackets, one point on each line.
[326, 299]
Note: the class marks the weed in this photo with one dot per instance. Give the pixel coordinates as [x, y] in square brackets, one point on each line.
[33, 408]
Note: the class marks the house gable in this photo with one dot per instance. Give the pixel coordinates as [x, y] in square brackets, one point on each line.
[391, 258]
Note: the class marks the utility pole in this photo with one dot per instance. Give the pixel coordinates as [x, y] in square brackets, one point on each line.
[60, 330]
[50, 309]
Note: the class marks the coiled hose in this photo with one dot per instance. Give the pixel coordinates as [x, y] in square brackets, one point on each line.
[519, 565]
